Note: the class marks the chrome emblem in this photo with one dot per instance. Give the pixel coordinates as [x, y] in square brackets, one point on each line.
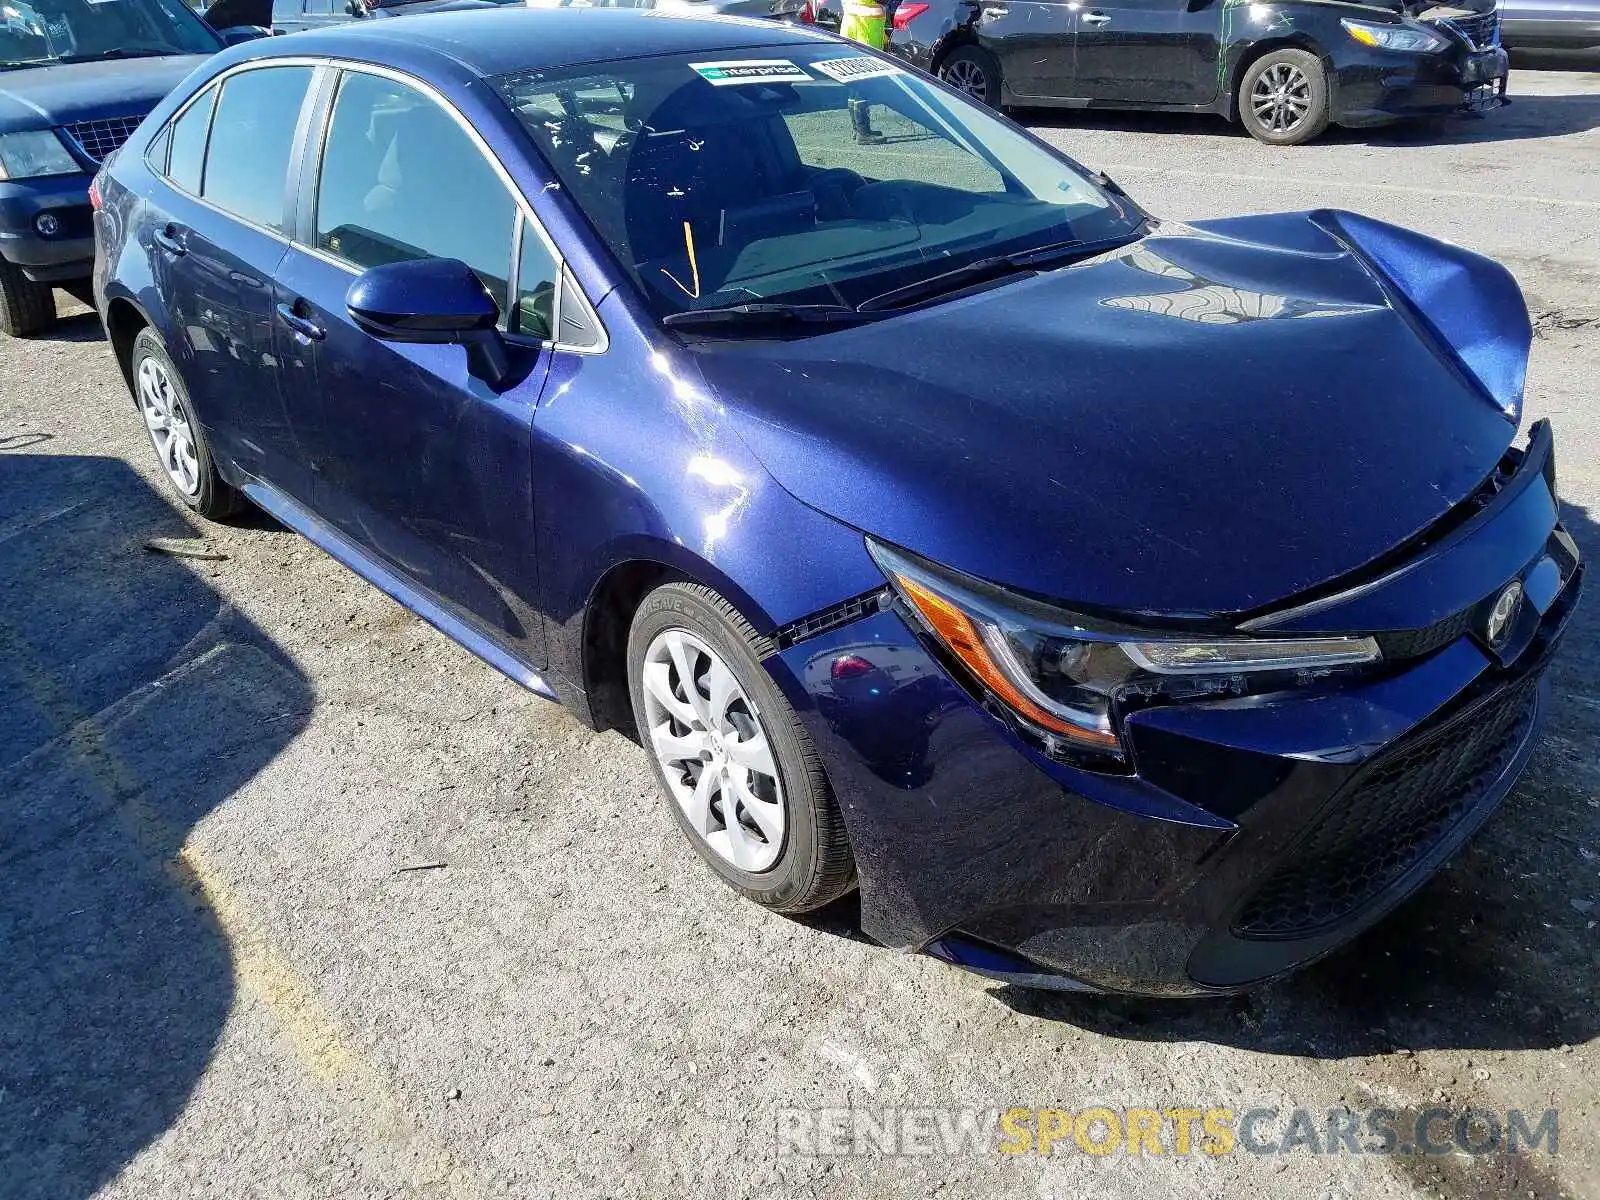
[1504, 614]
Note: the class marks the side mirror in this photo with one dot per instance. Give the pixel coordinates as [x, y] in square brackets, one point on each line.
[242, 33]
[432, 301]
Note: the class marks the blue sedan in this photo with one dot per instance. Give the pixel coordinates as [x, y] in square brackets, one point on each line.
[1122, 605]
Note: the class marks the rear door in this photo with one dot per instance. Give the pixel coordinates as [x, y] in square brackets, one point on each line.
[218, 234]
[412, 458]
[1148, 51]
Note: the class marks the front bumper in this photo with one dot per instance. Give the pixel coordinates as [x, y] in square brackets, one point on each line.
[1255, 834]
[67, 255]
[1375, 87]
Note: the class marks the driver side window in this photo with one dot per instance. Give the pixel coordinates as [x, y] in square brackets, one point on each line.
[402, 180]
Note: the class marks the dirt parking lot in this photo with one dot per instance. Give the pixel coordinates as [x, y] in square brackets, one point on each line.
[298, 899]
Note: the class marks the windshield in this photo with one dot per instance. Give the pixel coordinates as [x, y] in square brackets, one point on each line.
[797, 174]
[37, 32]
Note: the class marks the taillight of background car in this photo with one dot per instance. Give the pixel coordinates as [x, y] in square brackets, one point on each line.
[907, 13]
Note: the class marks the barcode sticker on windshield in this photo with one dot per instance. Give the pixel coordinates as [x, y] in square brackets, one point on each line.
[750, 70]
[848, 70]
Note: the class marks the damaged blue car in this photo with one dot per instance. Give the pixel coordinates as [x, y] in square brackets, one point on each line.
[1119, 604]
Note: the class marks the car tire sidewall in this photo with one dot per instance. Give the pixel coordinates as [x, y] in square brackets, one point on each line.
[986, 62]
[787, 884]
[1316, 120]
[214, 498]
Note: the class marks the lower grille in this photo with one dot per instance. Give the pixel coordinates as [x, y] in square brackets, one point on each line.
[100, 139]
[1388, 819]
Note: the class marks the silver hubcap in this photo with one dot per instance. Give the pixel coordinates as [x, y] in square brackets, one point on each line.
[708, 737]
[1281, 97]
[967, 77]
[168, 423]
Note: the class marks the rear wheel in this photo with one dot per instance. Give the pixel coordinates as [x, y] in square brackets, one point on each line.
[1283, 98]
[178, 440]
[738, 769]
[974, 72]
[26, 307]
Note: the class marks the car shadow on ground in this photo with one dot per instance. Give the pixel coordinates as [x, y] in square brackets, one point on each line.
[75, 324]
[133, 702]
[1494, 953]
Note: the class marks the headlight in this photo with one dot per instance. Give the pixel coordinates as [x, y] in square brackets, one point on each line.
[1064, 674]
[35, 153]
[1409, 39]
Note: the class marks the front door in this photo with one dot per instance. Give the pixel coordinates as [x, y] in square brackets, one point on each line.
[1148, 51]
[218, 234]
[412, 458]
[1032, 40]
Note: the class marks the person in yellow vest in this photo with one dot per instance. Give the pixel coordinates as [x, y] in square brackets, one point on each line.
[867, 22]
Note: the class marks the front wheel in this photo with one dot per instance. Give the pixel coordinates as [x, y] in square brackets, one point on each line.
[738, 769]
[26, 307]
[1283, 98]
[972, 71]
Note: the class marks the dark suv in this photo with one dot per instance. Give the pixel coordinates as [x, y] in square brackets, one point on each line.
[76, 78]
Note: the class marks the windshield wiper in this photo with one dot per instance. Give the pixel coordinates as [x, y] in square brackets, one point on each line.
[1023, 262]
[117, 52]
[767, 313]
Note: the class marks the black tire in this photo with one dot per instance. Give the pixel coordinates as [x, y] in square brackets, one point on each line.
[213, 498]
[1308, 81]
[26, 307]
[815, 865]
[974, 72]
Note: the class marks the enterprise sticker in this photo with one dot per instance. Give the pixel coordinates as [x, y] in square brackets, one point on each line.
[848, 70]
[750, 70]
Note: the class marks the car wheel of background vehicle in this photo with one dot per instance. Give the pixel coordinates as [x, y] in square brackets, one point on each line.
[179, 442]
[741, 775]
[1283, 98]
[26, 307]
[974, 72]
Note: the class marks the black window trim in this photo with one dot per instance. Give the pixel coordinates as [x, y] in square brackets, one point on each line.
[310, 173]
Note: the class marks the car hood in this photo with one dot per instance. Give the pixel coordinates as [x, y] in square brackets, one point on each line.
[1209, 421]
[41, 97]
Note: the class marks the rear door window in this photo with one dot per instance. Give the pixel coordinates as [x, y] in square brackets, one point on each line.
[252, 135]
[402, 180]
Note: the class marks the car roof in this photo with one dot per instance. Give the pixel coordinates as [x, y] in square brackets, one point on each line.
[512, 38]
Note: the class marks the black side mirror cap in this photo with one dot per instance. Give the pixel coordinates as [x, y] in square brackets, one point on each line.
[432, 301]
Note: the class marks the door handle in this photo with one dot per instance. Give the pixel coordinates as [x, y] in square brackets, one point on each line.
[302, 326]
[1093, 17]
[167, 239]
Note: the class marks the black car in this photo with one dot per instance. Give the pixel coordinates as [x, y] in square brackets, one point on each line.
[76, 78]
[1286, 69]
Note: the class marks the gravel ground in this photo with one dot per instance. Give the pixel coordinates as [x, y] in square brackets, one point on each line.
[221, 979]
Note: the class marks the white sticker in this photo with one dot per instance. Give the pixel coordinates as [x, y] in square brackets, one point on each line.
[750, 70]
[848, 70]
